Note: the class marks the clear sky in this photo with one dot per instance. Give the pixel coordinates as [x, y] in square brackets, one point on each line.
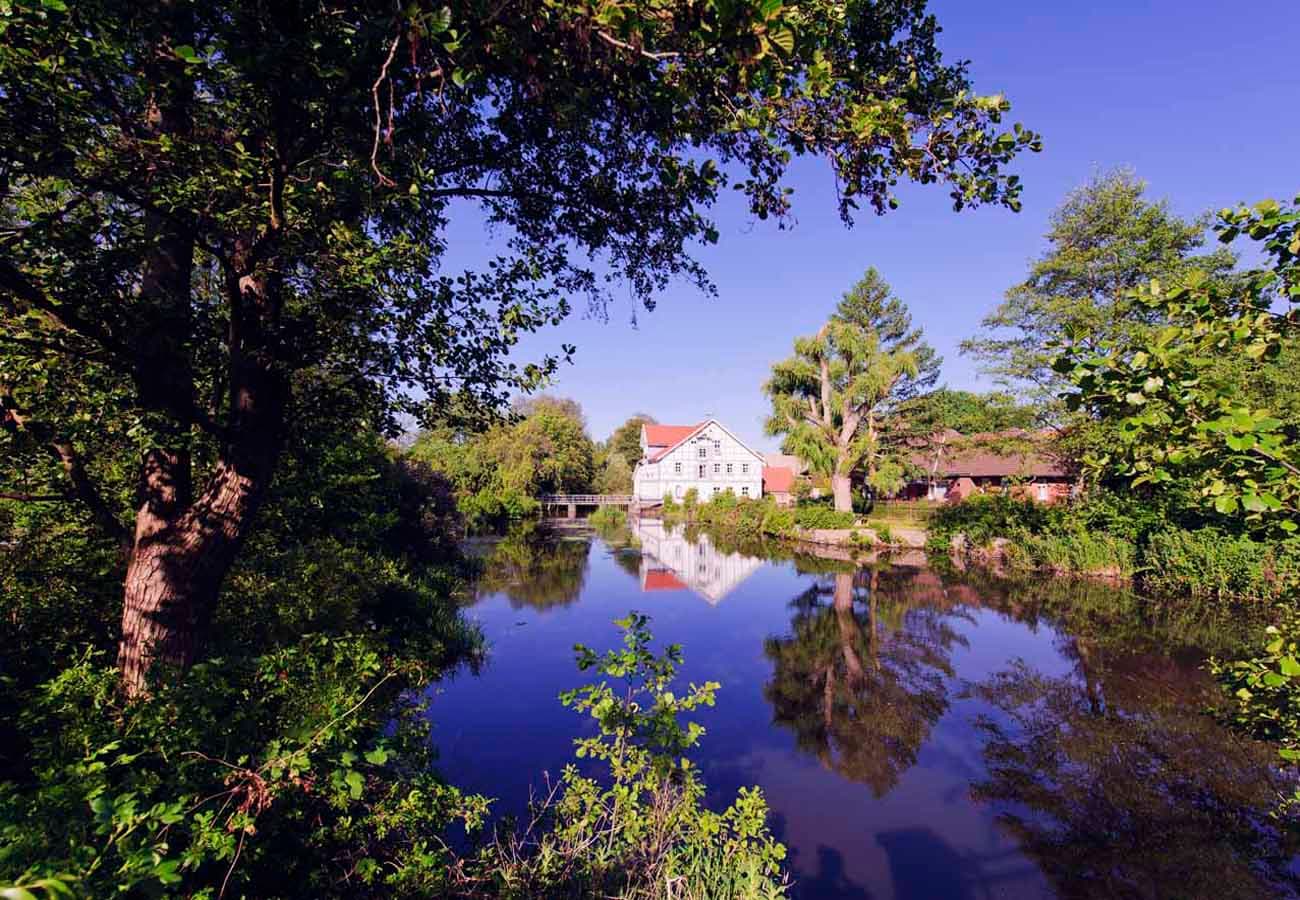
[1199, 97]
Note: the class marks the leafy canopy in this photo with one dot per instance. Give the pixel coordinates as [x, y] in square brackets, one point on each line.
[1178, 419]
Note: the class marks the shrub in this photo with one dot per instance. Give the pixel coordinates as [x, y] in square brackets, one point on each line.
[644, 824]
[1211, 564]
[690, 499]
[984, 517]
[823, 517]
[608, 518]
[1078, 552]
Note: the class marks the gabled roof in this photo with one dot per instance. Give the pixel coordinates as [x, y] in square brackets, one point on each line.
[667, 435]
[952, 455]
[685, 433]
[785, 461]
[777, 480]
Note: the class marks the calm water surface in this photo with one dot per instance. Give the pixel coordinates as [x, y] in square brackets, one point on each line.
[917, 735]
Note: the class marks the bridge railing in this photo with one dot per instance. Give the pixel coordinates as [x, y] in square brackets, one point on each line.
[587, 499]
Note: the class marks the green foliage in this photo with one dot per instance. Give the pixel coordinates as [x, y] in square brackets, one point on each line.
[1105, 239]
[608, 518]
[293, 760]
[1074, 551]
[1212, 564]
[983, 517]
[690, 500]
[625, 442]
[499, 473]
[819, 517]
[1265, 692]
[642, 823]
[1177, 419]
[966, 412]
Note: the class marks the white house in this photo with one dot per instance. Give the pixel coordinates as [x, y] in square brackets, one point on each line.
[669, 562]
[707, 457]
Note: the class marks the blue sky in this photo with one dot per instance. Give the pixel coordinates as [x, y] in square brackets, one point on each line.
[1197, 96]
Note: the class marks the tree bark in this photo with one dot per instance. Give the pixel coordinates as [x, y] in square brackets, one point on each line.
[842, 490]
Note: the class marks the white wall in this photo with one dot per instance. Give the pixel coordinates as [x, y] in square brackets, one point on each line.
[726, 463]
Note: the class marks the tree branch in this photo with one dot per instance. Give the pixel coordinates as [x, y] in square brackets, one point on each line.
[83, 487]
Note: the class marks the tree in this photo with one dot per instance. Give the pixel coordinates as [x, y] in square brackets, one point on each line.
[215, 215]
[1177, 419]
[967, 412]
[524, 407]
[626, 439]
[833, 398]
[1105, 239]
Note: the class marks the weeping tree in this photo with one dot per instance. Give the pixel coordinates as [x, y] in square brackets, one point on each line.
[216, 216]
[835, 400]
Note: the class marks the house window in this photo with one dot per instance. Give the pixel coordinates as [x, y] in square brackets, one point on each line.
[717, 447]
[744, 490]
[703, 451]
[703, 470]
[744, 468]
[717, 489]
[730, 468]
[677, 468]
[717, 468]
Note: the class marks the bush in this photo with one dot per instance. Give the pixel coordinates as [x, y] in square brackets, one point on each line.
[493, 508]
[608, 518]
[690, 499]
[1079, 552]
[823, 517]
[984, 517]
[644, 824]
[1208, 563]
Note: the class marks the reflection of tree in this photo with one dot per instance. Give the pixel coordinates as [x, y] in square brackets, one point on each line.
[861, 681]
[533, 570]
[1117, 795]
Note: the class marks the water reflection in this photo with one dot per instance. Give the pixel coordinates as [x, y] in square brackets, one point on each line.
[862, 676]
[919, 732]
[1117, 794]
[672, 560]
[532, 569]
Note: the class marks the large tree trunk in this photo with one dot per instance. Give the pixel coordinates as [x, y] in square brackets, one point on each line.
[182, 551]
[842, 490]
[177, 567]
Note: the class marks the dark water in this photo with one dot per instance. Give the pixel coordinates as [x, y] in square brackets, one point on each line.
[917, 734]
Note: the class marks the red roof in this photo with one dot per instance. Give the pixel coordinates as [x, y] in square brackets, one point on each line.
[777, 480]
[1014, 452]
[666, 437]
[662, 580]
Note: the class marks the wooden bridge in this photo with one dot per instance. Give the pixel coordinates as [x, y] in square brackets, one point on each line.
[571, 502]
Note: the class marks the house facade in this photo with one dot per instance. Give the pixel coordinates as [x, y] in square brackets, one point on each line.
[957, 466]
[707, 457]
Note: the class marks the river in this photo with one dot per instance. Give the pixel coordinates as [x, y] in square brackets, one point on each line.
[918, 732]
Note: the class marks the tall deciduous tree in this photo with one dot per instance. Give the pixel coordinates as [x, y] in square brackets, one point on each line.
[213, 214]
[1105, 239]
[833, 398]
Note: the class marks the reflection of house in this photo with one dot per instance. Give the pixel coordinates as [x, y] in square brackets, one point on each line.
[669, 562]
[706, 457]
[956, 466]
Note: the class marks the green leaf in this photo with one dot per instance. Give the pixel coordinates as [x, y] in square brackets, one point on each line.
[1226, 504]
[187, 53]
[377, 757]
[355, 784]
[56, 5]
[1288, 666]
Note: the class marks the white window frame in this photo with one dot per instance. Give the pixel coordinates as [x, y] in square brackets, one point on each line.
[717, 468]
[703, 452]
[731, 468]
[744, 490]
[677, 468]
[744, 468]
